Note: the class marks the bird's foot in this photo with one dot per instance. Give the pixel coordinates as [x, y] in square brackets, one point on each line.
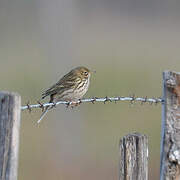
[54, 105]
[73, 104]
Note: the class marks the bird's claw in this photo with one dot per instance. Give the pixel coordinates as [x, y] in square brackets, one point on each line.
[73, 104]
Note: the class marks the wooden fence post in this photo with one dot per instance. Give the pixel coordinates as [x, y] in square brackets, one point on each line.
[10, 108]
[170, 140]
[133, 157]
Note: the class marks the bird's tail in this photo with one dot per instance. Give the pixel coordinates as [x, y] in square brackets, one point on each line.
[44, 113]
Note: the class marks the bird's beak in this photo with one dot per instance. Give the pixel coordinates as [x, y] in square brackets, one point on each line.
[92, 71]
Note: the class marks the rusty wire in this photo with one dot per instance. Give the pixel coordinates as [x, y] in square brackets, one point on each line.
[131, 99]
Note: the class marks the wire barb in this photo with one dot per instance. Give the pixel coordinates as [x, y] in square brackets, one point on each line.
[29, 106]
[106, 99]
[131, 99]
[93, 100]
[41, 105]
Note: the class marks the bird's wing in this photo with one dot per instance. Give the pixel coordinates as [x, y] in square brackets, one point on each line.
[66, 82]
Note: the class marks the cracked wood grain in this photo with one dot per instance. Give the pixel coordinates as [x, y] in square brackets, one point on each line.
[133, 157]
[170, 138]
[10, 108]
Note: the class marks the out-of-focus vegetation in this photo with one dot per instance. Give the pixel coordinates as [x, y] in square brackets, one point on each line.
[128, 43]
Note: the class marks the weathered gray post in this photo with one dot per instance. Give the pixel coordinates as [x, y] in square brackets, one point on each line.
[10, 108]
[133, 157]
[170, 140]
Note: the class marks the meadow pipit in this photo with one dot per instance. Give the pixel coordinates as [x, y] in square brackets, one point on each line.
[70, 87]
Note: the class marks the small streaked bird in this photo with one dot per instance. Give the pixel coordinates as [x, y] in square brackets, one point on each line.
[71, 87]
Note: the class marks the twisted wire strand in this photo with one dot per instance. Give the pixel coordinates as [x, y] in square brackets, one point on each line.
[96, 99]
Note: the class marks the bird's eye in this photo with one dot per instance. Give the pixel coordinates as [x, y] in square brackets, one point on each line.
[86, 73]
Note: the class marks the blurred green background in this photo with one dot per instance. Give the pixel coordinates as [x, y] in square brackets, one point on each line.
[128, 42]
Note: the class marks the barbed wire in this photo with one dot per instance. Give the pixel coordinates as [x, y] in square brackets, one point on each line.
[131, 99]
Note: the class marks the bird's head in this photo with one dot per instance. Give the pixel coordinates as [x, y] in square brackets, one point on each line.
[83, 72]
